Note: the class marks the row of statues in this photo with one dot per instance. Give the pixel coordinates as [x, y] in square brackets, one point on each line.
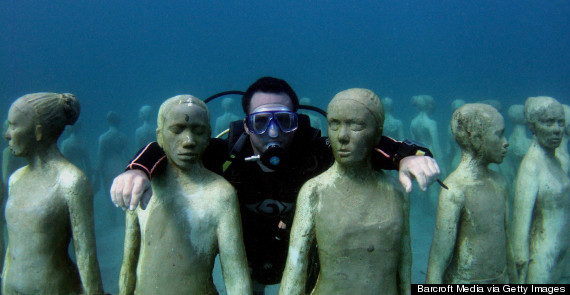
[358, 217]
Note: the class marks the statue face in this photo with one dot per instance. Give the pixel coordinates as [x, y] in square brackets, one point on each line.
[21, 129]
[494, 148]
[549, 128]
[185, 135]
[353, 131]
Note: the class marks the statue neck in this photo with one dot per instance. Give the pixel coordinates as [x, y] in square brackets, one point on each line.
[473, 164]
[43, 155]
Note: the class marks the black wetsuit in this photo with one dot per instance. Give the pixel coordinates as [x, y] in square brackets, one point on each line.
[266, 198]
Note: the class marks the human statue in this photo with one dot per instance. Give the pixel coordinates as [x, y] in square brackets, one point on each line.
[223, 121]
[358, 216]
[146, 132]
[171, 245]
[424, 130]
[112, 156]
[494, 103]
[541, 214]
[453, 150]
[316, 121]
[562, 150]
[392, 127]
[74, 149]
[519, 140]
[469, 245]
[50, 204]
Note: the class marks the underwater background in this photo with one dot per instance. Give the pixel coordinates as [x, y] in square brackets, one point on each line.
[120, 55]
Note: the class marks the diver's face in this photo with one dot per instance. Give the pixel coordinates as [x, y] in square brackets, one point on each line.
[353, 132]
[185, 134]
[263, 102]
[21, 134]
[549, 128]
[494, 148]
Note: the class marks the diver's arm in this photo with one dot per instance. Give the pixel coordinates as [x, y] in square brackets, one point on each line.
[445, 234]
[150, 160]
[412, 161]
[302, 236]
[79, 199]
[128, 276]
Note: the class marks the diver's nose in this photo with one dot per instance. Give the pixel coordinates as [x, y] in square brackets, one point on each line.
[273, 129]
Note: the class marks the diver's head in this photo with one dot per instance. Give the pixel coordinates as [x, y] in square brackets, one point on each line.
[355, 120]
[183, 130]
[479, 129]
[270, 105]
[269, 85]
[545, 118]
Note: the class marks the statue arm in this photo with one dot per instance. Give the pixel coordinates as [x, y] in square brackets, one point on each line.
[80, 204]
[128, 276]
[405, 264]
[230, 244]
[526, 192]
[302, 235]
[445, 235]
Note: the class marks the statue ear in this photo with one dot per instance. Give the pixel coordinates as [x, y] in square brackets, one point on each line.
[159, 139]
[39, 132]
[476, 141]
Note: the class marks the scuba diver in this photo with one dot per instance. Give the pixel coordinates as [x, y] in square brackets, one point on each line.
[267, 157]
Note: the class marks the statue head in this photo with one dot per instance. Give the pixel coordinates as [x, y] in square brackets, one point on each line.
[494, 103]
[113, 119]
[183, 130]
[545, 119]
[516, 114]
[355, 120]
[387, 103]
[37, 120]
[228, 104]
[423, 103]
[479, 129]
[145, 113]
[457, 103]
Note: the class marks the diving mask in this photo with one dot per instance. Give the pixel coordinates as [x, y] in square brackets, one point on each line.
[259, 122]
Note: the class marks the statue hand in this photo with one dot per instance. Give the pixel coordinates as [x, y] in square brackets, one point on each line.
[130, 189]
[422, 168]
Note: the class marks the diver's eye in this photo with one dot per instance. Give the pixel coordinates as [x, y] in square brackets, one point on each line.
[260, 121]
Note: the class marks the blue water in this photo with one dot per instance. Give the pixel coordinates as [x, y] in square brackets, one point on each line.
[119, 55]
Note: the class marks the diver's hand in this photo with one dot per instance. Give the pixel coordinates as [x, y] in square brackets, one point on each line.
[130, 189]
[422, 168]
